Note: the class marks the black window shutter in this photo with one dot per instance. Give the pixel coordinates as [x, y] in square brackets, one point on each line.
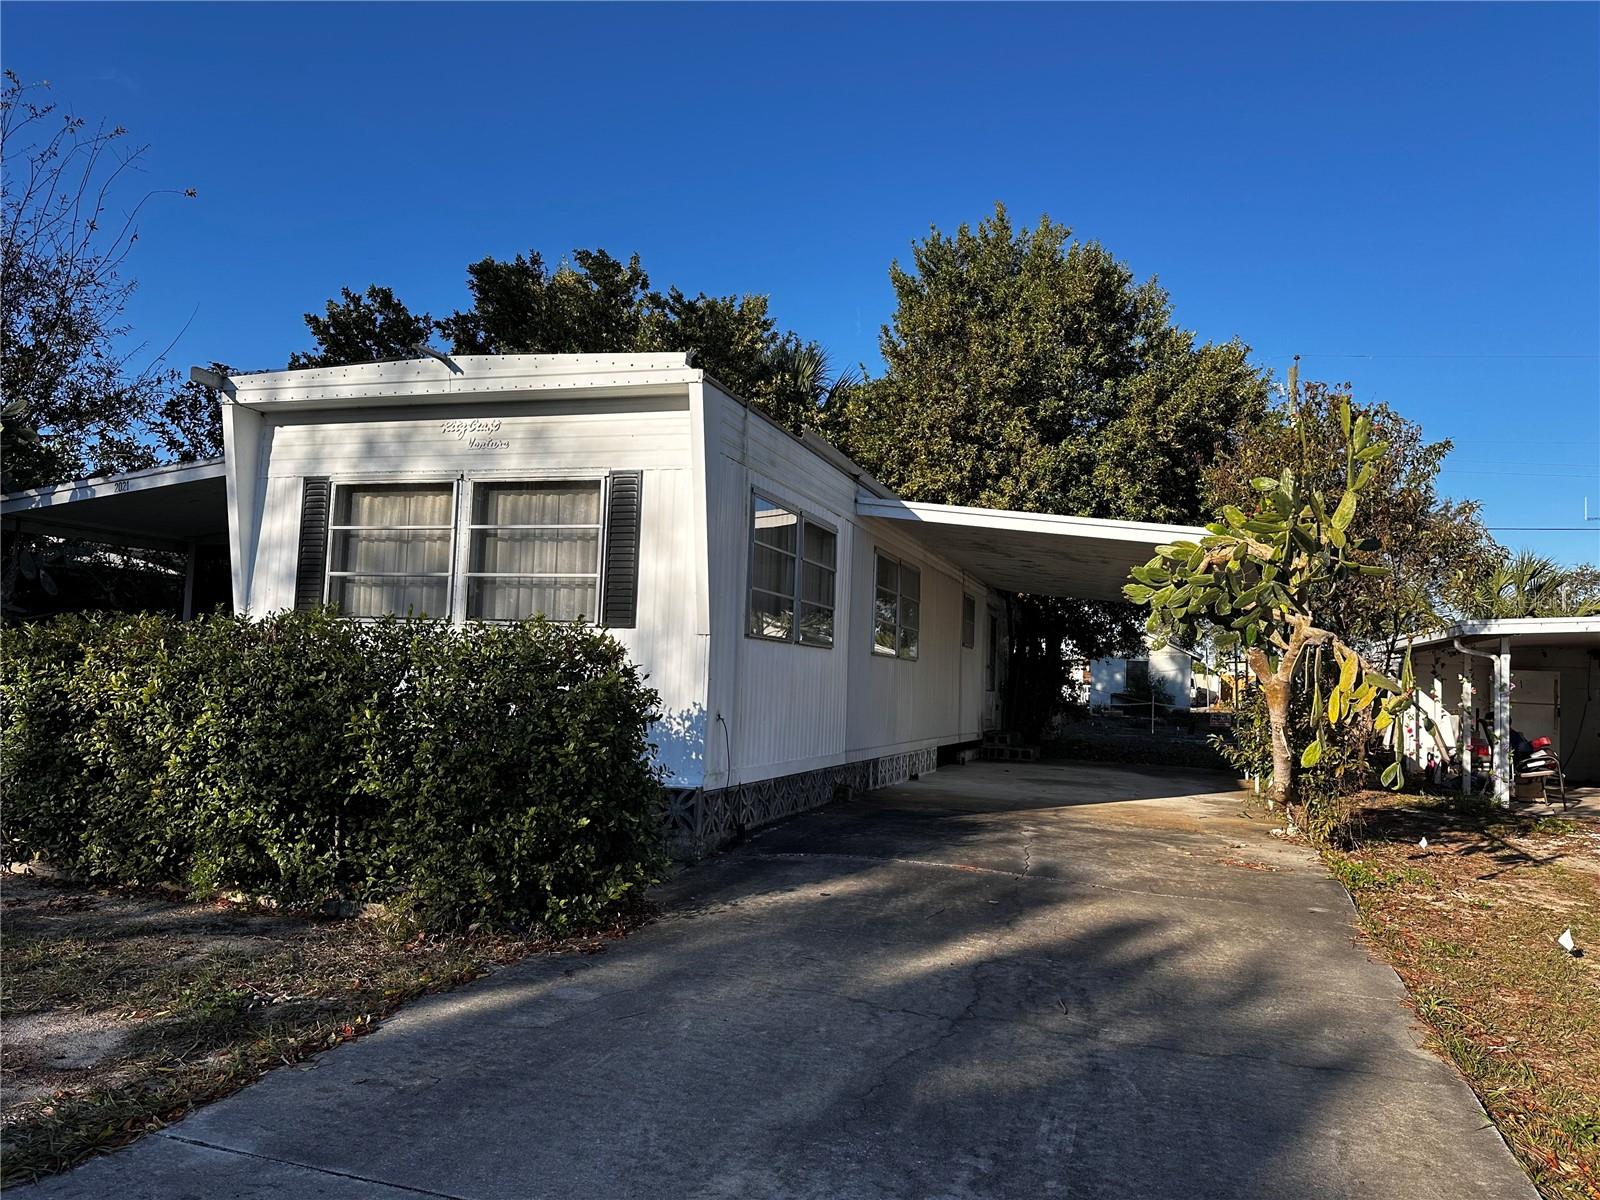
[620, 600]
[313, 561]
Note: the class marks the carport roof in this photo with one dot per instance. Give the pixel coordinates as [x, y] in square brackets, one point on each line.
[1541, 631]
[1037, 553]
[163, 507]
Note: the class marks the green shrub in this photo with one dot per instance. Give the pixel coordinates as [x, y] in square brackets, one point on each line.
[1323, 800]
[494, 774]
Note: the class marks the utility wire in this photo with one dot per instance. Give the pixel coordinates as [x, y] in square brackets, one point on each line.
[1578, 357]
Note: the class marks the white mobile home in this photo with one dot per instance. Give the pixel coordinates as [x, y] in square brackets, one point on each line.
[806, 629]
[1168, 670]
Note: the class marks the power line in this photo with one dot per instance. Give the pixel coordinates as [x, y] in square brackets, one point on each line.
[1478, 462]
[1541, 529]
[1574, 357]
[1525, 474]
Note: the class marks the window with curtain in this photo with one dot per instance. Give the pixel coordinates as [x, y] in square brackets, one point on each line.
[389, 549]
[534, 548]
[897, 609]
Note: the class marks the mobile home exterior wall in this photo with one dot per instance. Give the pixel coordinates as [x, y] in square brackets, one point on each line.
[561, 437]
[781, 710]
[752, 727]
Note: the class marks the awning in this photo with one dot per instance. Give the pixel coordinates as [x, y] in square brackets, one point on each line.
[1037, 553]
[163, 508]
[1523, 631]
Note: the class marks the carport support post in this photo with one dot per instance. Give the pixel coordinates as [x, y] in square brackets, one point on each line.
[1464, 729]
[191, 562]
[1503, 767]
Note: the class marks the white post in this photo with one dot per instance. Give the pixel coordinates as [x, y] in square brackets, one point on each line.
[190, 563]
[1438, 717]
[1504, 778]
[1464, 727]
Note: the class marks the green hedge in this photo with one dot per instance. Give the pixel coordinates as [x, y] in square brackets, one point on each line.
[496, 774]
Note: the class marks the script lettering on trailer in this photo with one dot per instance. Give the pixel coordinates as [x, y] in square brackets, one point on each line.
[477, 433]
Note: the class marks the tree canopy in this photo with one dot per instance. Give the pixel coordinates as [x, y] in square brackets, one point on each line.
[79, 397]
[1025, 370]
[591, 303]
[363, 327]
[1525, 584]
[1264, 577]
[1427, 543]
[1028, 371]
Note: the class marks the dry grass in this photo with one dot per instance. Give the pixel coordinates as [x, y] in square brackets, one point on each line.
[124, 1011]
[1470, 923]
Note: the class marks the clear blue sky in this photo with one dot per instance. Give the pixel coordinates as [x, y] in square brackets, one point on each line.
[1408, 196]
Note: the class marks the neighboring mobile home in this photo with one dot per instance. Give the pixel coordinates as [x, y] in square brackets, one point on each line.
[806, 629]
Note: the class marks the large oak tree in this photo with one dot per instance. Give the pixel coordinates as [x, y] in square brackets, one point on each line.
[1026, 370]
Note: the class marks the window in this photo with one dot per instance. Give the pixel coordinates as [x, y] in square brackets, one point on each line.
[390, 550]
[816, 583]
[774, 546]
[990, 650]
[525, 548]
[969, 622]
[897, 609]
[535, 548]
[793, 561]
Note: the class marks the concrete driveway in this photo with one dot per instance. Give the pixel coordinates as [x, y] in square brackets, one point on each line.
[1008, 981]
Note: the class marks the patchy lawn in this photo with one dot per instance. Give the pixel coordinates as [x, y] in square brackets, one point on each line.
[1470, 922]
[122, 1011]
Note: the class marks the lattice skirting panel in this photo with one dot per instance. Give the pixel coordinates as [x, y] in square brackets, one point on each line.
[700, 821]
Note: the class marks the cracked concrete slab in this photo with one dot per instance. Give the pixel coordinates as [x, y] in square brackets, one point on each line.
[1060, 980]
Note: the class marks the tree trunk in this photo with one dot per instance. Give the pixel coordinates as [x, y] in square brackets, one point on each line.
[1277, 695]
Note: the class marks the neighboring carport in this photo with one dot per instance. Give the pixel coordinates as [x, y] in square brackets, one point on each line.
[181, 507]
[1539, 674]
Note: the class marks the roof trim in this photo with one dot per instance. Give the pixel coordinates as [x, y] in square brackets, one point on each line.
[95, 487]
[1512, 627]
[1025, 522]
[430, 380]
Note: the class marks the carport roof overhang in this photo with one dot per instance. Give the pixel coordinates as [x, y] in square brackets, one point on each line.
[1036, 553]
[1520, 631]
[169, 507]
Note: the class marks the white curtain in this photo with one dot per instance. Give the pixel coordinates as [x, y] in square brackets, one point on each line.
[516, 599]
[541, 530]
[388, 565]
[536, 504]
[394, 504]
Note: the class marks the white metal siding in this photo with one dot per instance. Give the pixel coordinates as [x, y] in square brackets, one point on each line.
[900, 704]
[778, 708]
[555, 437]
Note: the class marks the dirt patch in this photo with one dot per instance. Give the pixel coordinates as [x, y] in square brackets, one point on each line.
[122, 1010]
[65, 1041]
[1470, 921]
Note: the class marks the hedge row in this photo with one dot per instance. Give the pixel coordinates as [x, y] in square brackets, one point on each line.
[496, 774]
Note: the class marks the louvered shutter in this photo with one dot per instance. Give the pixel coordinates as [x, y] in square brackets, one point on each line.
[620, 599]
[312, 565]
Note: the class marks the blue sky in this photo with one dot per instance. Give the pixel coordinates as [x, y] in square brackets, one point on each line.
[1408, 196]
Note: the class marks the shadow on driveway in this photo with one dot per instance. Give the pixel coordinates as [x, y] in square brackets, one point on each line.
[1046, 980]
